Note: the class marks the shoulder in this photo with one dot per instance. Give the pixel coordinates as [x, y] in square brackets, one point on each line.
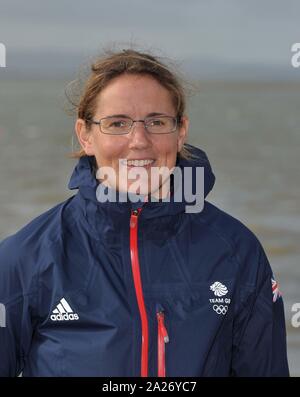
[243, 245]
[21, 251]
[227, 226]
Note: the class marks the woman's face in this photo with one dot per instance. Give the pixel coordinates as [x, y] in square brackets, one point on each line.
[137, 97]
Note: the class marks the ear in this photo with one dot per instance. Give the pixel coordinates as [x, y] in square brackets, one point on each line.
[182, 132]
[85, 137]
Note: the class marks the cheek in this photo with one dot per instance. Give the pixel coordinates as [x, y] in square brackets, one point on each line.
[167, 148]
[109, 149]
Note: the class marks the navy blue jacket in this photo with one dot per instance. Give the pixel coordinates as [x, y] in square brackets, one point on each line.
[117, 289]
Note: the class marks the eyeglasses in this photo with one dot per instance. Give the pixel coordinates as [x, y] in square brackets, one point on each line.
[122, 125]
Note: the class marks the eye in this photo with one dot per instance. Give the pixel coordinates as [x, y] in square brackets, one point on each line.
[118, 123]
[156, 122]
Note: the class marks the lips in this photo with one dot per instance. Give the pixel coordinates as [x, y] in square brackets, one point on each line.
[138, 162]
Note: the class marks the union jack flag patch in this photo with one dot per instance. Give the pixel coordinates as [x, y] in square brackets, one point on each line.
[275, 290]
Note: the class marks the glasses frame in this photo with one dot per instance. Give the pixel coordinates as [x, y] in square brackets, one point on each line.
[175, 119]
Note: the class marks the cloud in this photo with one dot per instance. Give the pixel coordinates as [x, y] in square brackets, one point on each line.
[228, 31]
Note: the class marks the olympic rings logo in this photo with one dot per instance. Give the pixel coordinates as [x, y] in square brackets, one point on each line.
[220, 309]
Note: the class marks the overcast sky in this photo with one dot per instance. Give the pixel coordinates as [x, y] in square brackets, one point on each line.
[219, 32]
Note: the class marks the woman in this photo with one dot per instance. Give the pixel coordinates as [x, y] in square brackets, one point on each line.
[137, 287]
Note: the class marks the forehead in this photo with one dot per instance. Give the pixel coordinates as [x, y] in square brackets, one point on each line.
[131, 94]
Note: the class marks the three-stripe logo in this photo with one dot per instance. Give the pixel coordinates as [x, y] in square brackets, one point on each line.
[63, 312]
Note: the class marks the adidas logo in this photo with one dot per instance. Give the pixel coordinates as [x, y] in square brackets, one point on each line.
[63, 312]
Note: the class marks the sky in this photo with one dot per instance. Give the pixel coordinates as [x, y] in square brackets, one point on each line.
[209, 37]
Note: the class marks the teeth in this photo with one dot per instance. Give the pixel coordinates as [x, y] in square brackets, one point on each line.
[139, 163]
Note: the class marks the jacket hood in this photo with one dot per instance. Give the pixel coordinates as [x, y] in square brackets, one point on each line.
[84, 179]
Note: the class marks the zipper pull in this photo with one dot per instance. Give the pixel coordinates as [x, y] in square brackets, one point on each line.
[161, 323]
[134, 217]
[163, 330]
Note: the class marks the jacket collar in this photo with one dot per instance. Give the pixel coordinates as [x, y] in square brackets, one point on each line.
[84, 179]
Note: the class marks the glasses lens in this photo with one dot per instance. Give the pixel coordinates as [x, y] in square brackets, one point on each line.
[161, 125]
[116, 125]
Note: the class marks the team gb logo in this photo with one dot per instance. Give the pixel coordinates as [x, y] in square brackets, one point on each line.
[219, 289]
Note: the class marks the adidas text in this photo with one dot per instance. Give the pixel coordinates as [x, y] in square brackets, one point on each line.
[63, 312]
[64, 317]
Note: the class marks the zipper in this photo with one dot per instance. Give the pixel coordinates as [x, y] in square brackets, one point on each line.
[162, 339]
[138, 289]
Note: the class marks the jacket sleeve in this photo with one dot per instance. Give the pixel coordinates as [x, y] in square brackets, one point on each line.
[17, 293]
[260, 337]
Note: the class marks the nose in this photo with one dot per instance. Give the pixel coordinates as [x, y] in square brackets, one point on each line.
[139, 137]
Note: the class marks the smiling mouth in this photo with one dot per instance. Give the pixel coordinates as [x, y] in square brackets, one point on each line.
[138, 163]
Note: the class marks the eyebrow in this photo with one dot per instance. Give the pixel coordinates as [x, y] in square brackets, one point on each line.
[148, 115]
